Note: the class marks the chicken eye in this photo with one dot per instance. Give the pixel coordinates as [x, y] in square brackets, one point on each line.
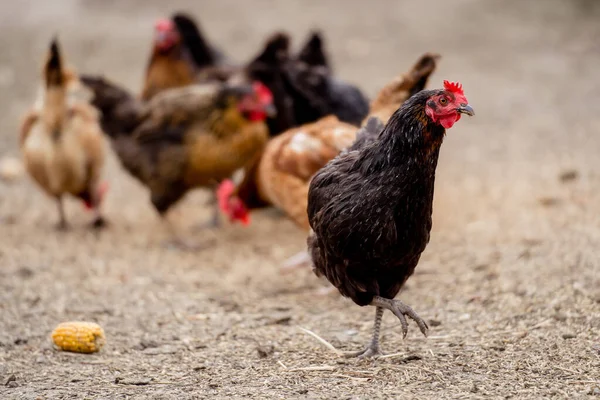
[443, 101]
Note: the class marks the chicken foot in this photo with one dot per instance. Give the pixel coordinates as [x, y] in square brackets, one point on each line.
[373, 349]
[98, 221]
[215, 220]
[180, 242]
[401, 311]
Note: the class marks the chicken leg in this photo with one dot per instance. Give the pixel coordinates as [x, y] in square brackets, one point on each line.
[373, 349]
[98, 222]
[62, 224]
[215, 220]
[180, 242]
[401, 311]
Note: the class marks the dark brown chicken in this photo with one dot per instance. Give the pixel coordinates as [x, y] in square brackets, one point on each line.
[183, 138]
[181, 56]
[370, 208]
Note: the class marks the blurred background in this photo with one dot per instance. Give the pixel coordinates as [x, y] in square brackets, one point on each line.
[517, 186]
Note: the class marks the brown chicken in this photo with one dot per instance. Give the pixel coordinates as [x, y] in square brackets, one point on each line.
[181, 56]
[281, 176]
[183, 138]
[61, 140]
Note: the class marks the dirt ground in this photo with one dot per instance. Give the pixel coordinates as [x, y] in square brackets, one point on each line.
[510, 282]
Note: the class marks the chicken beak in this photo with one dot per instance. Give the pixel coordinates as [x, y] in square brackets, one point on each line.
[270, 110]
[466, 109]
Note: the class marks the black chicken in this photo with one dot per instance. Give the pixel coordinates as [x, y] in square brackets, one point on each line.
[303, 87]
[370, 208]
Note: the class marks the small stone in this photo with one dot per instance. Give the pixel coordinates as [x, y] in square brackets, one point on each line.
[434, 322]
[464, 317]
[11, 378]
[12, 384]
[568, 175]
[560, 317]
[569, 335]
[549, 201]
[265, 351]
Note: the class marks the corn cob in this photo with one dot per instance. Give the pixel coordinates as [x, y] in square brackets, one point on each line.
[78, 337]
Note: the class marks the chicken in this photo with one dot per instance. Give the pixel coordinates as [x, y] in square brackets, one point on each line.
[303, 89]
[312, 75]
[370, 208]
[180, 56]
[61, 141]
[183, 138]
[281, 176]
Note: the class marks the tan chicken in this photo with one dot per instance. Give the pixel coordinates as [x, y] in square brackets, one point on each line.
[61, 140]
[281, 176]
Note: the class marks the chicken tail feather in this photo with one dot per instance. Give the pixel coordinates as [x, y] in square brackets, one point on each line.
[53, 70]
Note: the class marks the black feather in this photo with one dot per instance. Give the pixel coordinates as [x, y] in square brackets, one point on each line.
[313, 53]
[202, 52]
[370, 208]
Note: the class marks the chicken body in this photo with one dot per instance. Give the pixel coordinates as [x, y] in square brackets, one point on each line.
[288, 163]
[370, 208]
[61, 141]
[182, 139]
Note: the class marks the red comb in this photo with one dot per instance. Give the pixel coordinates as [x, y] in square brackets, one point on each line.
[164, 24]
[263, 92]
[454, 87]
[224, 192]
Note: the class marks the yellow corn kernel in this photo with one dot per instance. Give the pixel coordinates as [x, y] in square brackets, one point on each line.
[79, 336]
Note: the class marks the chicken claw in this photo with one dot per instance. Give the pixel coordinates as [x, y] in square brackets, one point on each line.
[62, 226]
[99, 222]
[401, 311]
[370, 352]
[187, 245]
